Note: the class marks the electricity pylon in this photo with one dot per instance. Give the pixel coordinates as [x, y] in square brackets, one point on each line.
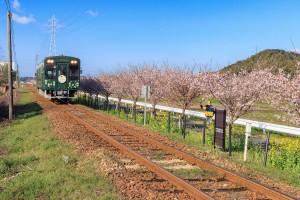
[53, 25]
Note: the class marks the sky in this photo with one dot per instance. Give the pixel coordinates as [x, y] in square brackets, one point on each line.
[105, 34]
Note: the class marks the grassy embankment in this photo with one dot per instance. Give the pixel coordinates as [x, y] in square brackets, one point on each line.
[36, 164]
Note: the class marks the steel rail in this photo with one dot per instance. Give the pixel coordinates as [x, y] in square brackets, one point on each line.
[190, 189]
[250, 184]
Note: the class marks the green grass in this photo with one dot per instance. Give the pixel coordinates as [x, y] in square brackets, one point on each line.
[36, 164]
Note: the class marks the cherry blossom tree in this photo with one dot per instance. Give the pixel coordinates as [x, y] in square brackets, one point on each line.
[90, 84]
[152, 75]
[133, 85]
[118, 85]
[237, 93]
[287, 95]
[105, 80]
[183, 86]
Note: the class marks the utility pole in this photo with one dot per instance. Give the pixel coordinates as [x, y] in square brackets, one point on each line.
[10, 83]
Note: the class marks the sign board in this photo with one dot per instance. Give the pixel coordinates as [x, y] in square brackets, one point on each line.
[145, 92]
[220, 128]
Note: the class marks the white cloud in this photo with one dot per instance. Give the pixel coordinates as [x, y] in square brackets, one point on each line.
[92, 13]
[16, 5]
[22, 19]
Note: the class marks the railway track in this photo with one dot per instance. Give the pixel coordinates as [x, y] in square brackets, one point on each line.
[177, 167]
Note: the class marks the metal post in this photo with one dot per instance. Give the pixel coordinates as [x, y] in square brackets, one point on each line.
[266, 150]
[10, 84]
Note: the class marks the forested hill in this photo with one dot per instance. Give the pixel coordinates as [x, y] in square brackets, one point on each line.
[270, 58]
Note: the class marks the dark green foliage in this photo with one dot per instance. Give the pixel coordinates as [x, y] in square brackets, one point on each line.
[4, 74]
[271, 58]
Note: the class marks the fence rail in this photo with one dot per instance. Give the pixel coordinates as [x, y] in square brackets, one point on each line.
[263, 125]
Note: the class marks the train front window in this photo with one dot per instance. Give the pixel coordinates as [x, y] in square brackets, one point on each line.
[74, 72]
[61, 70]
[50, 72]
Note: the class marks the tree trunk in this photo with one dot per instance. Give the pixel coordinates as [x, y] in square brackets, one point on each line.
[179, 121]
[119, 104]
[134, 110]
[153, 111]
[106, 99]
[183, 123]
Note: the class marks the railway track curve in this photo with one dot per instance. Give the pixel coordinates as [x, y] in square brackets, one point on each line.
[147, 151]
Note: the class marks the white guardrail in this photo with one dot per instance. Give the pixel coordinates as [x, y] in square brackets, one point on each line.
[263, 125]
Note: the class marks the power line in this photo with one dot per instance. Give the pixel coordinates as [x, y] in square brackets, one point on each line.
[8, 5]
[77, 28]
[13, 43]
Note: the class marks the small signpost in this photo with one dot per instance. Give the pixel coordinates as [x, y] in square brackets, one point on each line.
[145, 93]
[220, 128]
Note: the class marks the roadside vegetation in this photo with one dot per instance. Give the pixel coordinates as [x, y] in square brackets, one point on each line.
[36, 164]
[283, 163]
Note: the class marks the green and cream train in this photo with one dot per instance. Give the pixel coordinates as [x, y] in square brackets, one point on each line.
[58, 77]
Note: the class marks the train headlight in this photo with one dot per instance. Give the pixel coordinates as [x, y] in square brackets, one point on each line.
[73, 61]
[50, 61]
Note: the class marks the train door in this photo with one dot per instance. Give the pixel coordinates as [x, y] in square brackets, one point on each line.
[61, 70]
